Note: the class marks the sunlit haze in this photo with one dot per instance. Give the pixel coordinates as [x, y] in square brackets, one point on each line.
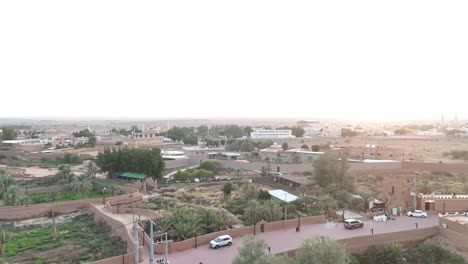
[367, 60]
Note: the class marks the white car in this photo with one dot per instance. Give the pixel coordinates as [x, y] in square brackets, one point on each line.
[416, 213]
[220, 241]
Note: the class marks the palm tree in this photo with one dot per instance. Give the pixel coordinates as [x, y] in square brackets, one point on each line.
[91, 169]
[5, 182]
[227, 189]
[184, 224]
[12, 196]
[302, 189]
[4, 237]
[81, 184]
[326, 202]
[64, 174]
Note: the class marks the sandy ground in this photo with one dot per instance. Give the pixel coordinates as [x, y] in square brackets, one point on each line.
[37, 172]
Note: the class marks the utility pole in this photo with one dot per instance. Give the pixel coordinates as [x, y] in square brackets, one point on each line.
[285, 212]
[135, 227]
[413, 189]
[151, 257]
[53, 218]
[161, 235]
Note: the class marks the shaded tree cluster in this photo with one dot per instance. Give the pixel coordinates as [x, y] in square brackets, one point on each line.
[138, 160]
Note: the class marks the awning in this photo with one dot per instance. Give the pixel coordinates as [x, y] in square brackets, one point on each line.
[132, 175]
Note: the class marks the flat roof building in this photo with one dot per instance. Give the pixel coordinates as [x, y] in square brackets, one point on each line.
[270, 133]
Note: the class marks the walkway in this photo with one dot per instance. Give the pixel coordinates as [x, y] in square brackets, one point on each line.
[281, 240]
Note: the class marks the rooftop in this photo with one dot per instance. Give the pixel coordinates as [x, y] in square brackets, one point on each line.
[296, 179]
[283, 196]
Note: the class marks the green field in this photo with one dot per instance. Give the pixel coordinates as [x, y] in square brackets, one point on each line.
[78, 241]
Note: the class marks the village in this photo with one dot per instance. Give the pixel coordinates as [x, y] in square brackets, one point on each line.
[155, 194]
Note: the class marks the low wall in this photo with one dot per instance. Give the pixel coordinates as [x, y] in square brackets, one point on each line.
[126, 259]
[360, 244]
[174, 164]
[455, 226]
[45, 189]
[289, 168]
[450, 167]
[205, 239]
[15, 213]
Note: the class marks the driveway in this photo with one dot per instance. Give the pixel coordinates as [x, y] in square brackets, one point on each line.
[285, 240]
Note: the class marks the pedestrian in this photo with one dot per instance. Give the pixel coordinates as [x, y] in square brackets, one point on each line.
[298, 228]
[269, 249]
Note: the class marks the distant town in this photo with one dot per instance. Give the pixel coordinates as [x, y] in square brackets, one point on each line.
[208, 191]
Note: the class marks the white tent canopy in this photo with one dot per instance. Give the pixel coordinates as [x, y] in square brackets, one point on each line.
[283, 196]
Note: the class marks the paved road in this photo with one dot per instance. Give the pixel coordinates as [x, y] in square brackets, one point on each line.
[282, 240]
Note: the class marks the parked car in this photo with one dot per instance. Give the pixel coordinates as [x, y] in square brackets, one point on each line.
[220, 241]
[417, 213]
[353, 223]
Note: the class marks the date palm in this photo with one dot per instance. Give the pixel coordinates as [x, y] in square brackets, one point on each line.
[82, 184]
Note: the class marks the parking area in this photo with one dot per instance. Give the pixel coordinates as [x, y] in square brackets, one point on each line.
[285, 240]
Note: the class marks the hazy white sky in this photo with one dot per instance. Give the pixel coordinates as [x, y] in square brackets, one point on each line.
[344, 59]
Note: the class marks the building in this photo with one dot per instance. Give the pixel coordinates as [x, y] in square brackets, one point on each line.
[270, 133]
[223, 155]
[276, 153]
[443, 203]
[431, 132]
[292, 180]
[173, 155]
[24, 144]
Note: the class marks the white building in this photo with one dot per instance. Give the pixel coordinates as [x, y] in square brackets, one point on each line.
[430, 132]
[173, 155]
[268, 134]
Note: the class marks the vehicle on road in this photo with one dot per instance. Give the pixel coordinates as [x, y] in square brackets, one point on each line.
[416, 213]
[220, 241]
[353, 223]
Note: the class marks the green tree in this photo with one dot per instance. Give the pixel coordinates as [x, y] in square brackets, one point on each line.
[304, 147]
[202, 130]
[137, 160]
[228, 187]
[346, 132]
[315, 148]
[246, 131]
[285, 146]
[318, 251]
[64, 174]
[81, 184]
[190, 140]
[302, 189]
[4, 237]
[8, 133]
[427, 253]
[326, 202]
[13, 196]
[184, 224]
[386, 254]
[5, 182]
[251, 252]
[211, 165]
[328, 170]
[211, 221]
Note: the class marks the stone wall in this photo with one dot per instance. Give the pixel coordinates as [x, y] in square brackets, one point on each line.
[14, 213]
[422, 166]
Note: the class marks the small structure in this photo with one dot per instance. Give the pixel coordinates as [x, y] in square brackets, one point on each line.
[223, 155]
[130, 176]
[283, 195]
[293, 180]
